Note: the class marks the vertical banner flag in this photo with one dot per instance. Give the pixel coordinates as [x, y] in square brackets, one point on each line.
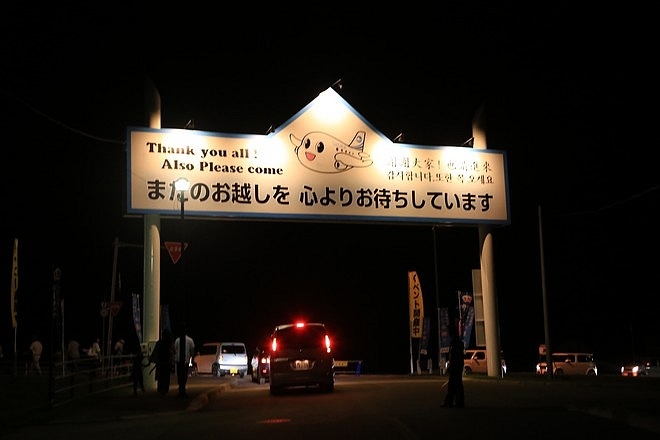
[14, 285]
[137, 321]
[416, 305]
[426, 333]
[165, 318]
[466, 306]
[445, 339]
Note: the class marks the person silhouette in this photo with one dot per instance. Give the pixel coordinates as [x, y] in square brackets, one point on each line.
[162, 356]
[73, 354]
[136, 372]
[183, 361]
[35, 348]
[455, 391]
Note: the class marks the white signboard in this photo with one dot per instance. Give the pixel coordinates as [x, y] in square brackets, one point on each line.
[324, 164]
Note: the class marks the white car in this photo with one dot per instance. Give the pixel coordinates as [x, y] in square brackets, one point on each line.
[206, 358]
[222, 358]
[475, 360]
[570, 364]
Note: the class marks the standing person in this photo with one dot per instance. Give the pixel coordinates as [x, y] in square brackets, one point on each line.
[162, 356]
[118, 353]
[95, 349]
[136, 372]
[95, 352]
[182, 369]
[455, 392]
[36, 348]
[73, 353]
[119, 347]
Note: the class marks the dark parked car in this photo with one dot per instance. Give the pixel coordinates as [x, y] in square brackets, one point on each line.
[641, 368]
[260, 364]
[301, 356]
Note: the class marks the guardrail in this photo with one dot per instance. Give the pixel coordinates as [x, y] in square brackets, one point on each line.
[75, 379]
[353, 366]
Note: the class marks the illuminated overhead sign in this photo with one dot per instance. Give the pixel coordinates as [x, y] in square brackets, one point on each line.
[325, 164]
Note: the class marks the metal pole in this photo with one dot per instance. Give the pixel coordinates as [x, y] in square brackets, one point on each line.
[183, 368]
[115, 245]
[62, 338]
[546, 322]
[57, 275]
[437, 296]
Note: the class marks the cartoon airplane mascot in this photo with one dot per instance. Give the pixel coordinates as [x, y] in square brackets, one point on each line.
[324, 153]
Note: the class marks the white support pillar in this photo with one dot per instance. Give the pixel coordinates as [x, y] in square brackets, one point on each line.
[491, 322]
[151, 263]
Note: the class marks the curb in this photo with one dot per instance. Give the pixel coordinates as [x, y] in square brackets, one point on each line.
[203, 399]
[626, 417]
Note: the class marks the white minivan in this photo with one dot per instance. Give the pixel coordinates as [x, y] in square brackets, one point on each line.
[221, 358]
[570, 364]
[475, 361]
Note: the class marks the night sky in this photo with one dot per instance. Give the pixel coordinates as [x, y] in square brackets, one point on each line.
[566, 95]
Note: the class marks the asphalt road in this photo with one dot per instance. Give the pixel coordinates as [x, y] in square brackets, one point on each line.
[518, 406]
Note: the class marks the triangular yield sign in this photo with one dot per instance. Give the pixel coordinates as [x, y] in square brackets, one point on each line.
[114, 307]
[174, 249]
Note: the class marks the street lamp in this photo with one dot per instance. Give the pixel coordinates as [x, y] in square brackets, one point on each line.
[181, 185]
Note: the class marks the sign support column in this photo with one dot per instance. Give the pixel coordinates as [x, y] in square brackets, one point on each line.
[151, 263]
[486, 258]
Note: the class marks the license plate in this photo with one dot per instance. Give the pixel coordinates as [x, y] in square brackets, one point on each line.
[233, 371]
[301, 364]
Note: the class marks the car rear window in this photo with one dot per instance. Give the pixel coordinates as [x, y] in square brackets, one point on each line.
[208, 349]
[233, 348]
[310, 336]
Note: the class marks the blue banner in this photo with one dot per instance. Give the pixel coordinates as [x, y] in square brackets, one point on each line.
[165, 319]
[137, 320]
[424, 342]
[466, 307]
[467, 327]
[445, 339]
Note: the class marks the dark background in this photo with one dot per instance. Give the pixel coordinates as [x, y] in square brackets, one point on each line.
[567, 91]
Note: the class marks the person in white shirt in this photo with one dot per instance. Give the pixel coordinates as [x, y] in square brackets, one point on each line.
[36, 348]
[95, 350]
[182, 370]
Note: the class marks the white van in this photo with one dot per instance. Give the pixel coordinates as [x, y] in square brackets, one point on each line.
[475, 361]
[570, 364]
[221, 358]
[232, 359]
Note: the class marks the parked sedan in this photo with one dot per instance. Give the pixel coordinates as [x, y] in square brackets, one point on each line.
[206, 359]
[260, 366]
[641, 368]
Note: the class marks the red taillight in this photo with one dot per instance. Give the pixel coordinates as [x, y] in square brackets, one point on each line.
[300, 324]
[327, 343]
[273, 345]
